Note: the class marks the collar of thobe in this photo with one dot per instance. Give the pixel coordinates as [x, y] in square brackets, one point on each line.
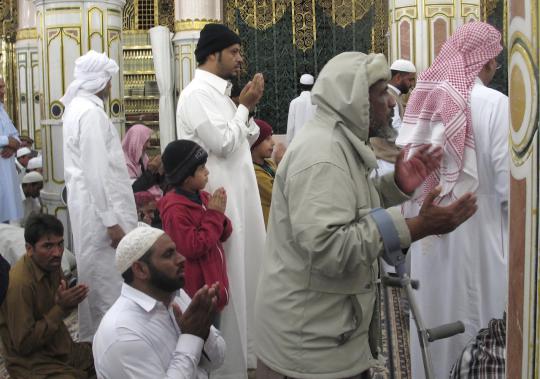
[140, 298]
[94, 99]
[221, 85]
[398, 92]
[479, 81]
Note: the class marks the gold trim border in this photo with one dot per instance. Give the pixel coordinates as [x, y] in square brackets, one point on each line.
[28, 33]
[195, 25]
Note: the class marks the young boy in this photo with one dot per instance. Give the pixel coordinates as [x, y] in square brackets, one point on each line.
[265, 168]
[194, 219]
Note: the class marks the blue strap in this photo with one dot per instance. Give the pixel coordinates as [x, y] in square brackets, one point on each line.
[393, 255]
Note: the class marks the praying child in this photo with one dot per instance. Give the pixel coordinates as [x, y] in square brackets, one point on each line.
[194, 219]
[265, 167]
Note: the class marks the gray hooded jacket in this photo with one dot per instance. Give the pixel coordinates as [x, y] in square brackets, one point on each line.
[316, 297]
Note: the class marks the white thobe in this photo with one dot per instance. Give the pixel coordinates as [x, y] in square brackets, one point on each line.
[463, 275]
[207, 116]
[139, 338]
[99, 196]
[10, 193]
[301, 110]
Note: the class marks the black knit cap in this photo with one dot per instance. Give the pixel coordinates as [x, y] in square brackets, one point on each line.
[214, 37]
[180, 160]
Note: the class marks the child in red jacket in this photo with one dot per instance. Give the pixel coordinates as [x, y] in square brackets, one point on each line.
[194, 219]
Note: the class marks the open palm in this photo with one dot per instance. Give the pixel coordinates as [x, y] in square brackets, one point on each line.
[410, 173]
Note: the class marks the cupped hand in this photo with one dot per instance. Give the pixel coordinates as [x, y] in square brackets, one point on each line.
[410, 173]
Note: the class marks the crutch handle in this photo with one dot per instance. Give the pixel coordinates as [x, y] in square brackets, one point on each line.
[445, 331]
[394, 281]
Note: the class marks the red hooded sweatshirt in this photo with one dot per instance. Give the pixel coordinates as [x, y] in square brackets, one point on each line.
[198, 233]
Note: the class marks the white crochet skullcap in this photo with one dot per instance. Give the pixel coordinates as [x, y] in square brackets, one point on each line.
[134, 244]
[32, 177]
[35, 163]
[23, 151]
[307, 79]
[403, 65]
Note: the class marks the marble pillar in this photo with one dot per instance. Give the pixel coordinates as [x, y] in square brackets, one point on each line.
[418, 28]
[66, 30]
[27, 62]
[190, 18]
[523, 322]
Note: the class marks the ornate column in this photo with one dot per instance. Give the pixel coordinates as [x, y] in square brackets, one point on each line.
[190, 18]
[67, 30]
[26, 52]
[418, 28]
[523, 323]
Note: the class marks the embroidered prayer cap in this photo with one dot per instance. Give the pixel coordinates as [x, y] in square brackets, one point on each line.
[403, 65]
[214, 37]
[134, 245]
[307, 79]
[441, 98]
[180, 159]
[91, 74]
[35, 163]
[265, 130]
[32, 177]
[23, 151]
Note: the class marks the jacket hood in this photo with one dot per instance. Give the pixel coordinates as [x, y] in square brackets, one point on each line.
[342, 89]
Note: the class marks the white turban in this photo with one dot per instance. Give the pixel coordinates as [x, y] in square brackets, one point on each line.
[91, 74]
[134, 244]
[32, 177]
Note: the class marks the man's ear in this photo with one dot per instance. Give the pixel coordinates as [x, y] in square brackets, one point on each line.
[29, 249]
[140, 270]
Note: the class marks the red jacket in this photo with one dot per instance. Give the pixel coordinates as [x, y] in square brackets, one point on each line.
[198, 233]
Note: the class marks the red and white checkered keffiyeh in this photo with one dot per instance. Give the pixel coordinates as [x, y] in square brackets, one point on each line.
[438, 110]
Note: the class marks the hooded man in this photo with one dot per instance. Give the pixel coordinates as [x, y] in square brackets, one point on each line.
[207, 115]
[301, 108]
[318, 285]
[100, 200]
[462, 275]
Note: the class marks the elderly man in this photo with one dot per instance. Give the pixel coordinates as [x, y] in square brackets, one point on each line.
[207, 116]
[463, 275]
[36, 340]
[301, 108]
[317, 290]
[10, 193]
[150, 332]
[100, 200]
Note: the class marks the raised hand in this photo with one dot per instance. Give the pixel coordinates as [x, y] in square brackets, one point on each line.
[410, 173]
[435, 219]
[68, 298]
[199, 315]
[218, 201]
[252, 92]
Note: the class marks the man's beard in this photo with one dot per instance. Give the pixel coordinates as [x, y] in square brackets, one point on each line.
[403, 89]
[162, 282]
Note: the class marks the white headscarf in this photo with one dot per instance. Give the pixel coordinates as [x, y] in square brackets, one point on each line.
[91, 74]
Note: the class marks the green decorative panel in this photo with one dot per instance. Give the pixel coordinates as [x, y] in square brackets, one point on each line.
[496, 16]
[285, 39]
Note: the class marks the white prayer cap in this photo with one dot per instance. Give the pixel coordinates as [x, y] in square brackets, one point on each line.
[307, 80]
[134, 244]
[91, 74]
[23, 151]
[35, 163]
[403, 65]
[32, 177]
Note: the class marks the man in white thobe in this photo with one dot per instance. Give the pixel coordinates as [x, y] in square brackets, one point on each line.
[154, 330]
[463, 274]
[301, 109]
[100, 200]
[207, 116]
[403, 79]
[10, 192]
